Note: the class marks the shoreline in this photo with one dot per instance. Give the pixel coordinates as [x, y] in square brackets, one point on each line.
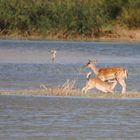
[118, 35]
[73, 93]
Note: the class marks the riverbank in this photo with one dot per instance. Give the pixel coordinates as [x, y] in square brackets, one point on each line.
[73, 93]
[119, 34]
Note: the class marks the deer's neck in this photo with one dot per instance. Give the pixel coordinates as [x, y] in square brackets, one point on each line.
[95, 69]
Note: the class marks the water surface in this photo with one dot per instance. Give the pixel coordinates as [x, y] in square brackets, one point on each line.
[60, 118]
[27, 64]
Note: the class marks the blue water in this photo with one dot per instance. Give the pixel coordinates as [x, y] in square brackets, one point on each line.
[61, 118]
[27, 64]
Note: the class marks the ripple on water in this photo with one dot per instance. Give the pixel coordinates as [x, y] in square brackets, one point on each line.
[69, 117]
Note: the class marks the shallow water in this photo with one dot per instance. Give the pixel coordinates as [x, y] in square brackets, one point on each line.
[27, 64]
[60, 118]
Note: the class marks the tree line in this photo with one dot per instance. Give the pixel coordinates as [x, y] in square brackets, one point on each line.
[83, 17]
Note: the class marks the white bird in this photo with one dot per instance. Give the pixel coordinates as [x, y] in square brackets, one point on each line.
[53, 55]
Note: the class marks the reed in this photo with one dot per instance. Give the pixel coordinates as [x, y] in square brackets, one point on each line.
[66, 89]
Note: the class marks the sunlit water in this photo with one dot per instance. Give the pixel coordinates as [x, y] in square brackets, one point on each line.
[27, 64]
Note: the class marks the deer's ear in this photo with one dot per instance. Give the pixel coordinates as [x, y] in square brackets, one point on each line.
[89, 60]
[94, 61]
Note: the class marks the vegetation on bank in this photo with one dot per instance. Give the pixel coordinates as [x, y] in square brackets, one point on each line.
[73, 93]
[67, 89]
[68, 17]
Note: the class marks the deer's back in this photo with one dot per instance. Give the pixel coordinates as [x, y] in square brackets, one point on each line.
[110, 71]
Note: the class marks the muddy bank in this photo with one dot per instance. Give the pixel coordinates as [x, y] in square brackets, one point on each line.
[119, 34]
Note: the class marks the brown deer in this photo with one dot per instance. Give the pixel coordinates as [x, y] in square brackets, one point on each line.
[98, 84]
[109, 73]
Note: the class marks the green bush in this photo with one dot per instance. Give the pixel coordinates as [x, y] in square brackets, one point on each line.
[131, 14]
[83, 17]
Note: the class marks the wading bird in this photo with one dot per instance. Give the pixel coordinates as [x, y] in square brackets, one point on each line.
[53, 55]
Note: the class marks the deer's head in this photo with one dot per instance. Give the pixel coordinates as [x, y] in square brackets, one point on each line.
[90, 63]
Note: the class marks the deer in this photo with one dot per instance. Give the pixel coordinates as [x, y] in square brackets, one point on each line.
[109, 73]
[95, 82]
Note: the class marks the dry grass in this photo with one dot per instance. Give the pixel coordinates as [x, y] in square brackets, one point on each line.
[119, 34]
[122, 34]
[68, 89]
[75, 93]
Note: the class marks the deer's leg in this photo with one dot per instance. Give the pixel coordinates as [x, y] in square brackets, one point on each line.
[86, 88]
[123, 84]
[114, 82]
[107, 90]
[111, 91]
[112, 85]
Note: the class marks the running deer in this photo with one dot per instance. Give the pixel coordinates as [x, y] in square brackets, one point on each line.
[109, 73]
[98, 84]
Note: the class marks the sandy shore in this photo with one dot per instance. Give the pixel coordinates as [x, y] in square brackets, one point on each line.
[74, 93]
